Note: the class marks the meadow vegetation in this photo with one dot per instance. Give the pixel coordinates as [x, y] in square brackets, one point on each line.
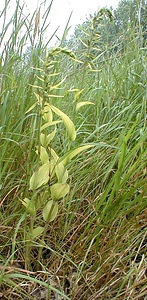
[73, 158]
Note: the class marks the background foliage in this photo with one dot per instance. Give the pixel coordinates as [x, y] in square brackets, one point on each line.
[95, 248]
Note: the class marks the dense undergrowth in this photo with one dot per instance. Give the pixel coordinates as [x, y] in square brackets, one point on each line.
[96, 246]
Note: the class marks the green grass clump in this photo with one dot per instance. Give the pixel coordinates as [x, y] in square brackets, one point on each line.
[95, 248]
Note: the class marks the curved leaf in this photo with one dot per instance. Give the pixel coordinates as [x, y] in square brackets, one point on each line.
[83, 103]
[39, 177]
[46, 125]
[58, 84]
[47, 114]
[53, 153]
[31, 107]
[70, 154]
[67, 122]
[46, 139]
[37, 231]
[50, 211]
[78, 93]
[43, 155]
[61, 173]
[59, 190]
[30, 206]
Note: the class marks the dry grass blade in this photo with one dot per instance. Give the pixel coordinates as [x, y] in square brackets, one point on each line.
[37, 22]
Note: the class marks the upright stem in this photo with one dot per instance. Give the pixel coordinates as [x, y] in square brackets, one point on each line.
[44, 233]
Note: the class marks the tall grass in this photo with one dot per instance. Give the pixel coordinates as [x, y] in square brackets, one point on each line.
[95, 249]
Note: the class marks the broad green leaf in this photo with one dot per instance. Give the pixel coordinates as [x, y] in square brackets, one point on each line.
[80, 104]
[53, 153]
[67, 122]
[37, 231]
[43, 155]
[30, 206]
[39, 177]
[47, 114]
[61, 173]
[59, 190]
[51, 136]
[70, 154]
[43, 140]
[52, 168]
[50, 211]
[46, 139]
